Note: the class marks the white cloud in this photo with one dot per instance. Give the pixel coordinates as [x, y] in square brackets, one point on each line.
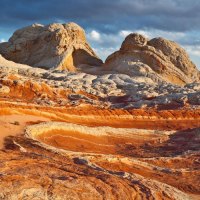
[103, 53]
[193, 49]
[194, 53]
[2, 40]
[94, 35]
[124, 33]
[152, 33]
[147, 34]
[106, 43]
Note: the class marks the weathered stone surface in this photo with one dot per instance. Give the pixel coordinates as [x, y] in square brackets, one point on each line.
[132, 41]
[158, 59]
[4, 89]
[109, 90]
[62, 46]
[74, 135]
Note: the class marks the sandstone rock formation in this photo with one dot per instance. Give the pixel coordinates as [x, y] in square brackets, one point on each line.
[147, 154]
[57, 160]
[61, 46]
[159, 59]
[110, 90]
[64, 46]
[124, 133]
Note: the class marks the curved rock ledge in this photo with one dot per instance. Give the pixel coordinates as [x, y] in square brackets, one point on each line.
[102, 139]
[36, 130]
[131, 160]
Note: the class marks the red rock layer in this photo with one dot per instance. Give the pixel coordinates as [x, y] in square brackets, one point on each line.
[92, 116]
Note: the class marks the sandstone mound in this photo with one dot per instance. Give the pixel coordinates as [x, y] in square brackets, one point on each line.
[62, 46]
[158, 59]
[79, 136]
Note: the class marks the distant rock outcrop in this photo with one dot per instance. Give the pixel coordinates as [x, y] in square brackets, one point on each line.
[61, 46]
[158, 59]
[64, 47]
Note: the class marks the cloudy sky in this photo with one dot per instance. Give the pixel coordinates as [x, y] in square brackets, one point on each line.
[107, 22]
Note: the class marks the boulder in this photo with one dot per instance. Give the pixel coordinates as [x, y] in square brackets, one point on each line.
[59, 46]
[132, 41]
[159, 59]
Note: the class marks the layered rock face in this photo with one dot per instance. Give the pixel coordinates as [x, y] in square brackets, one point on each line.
[158, 59]
[107, 137]
[125, 133]
[61, 46]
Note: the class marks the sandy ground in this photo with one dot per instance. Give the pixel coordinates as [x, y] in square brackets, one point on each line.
[15, 124]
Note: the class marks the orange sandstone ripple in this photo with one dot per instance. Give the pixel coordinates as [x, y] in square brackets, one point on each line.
[134, 158]
[118, 141]
[151, 154]
[92, 116]
[107, 144]
[106, 140]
